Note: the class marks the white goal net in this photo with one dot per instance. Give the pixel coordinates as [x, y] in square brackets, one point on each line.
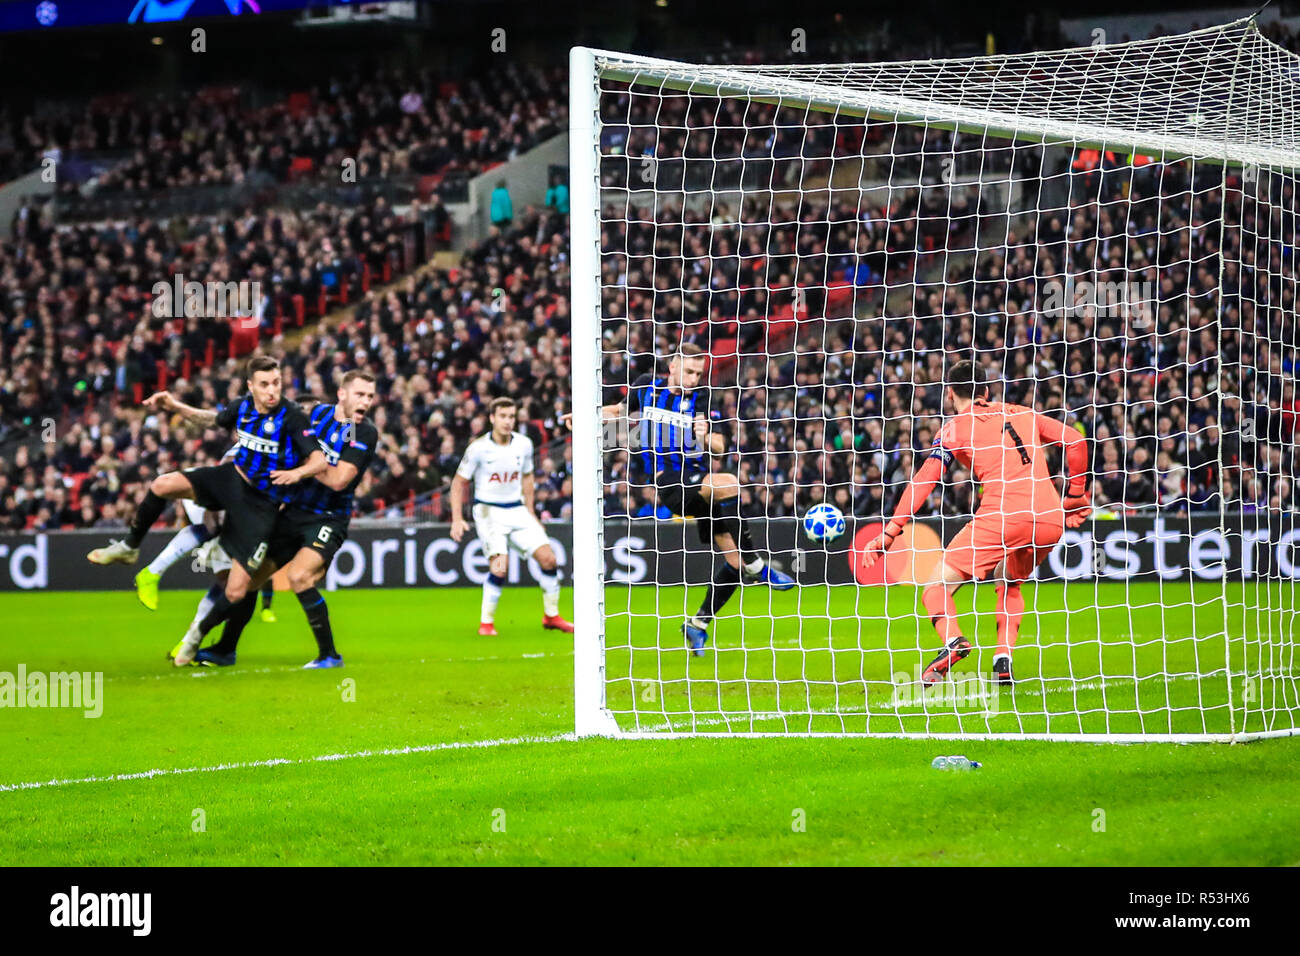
[776, 270]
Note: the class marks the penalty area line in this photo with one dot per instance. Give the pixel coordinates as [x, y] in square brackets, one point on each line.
[287, 761]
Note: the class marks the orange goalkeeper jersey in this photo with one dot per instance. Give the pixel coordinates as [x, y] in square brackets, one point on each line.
[1002, 445]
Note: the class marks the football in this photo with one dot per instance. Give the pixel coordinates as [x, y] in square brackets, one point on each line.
[823, 523]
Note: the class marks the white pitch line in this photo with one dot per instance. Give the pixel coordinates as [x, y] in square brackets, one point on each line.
[284, 761]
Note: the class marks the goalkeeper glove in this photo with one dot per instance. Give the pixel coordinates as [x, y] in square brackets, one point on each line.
[1077, 508]
[878, 545]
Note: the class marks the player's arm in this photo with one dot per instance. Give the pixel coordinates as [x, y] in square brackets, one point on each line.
[167, 402]
[353, 460]
[313, 466]
[1078, 491]
[526, 485]
[298, 429]
[460, 485]
[914, 495]
[715, 442]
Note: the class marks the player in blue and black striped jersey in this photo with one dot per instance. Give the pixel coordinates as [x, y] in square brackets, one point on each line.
[671, 438]
[276, 450]
[312, 527]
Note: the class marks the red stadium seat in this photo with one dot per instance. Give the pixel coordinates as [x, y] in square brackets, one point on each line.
[299, 309]
[839, 301]
[299, 104]
[243, 337]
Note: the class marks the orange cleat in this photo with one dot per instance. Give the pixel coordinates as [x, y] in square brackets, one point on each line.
[487, 629]
[553, 622]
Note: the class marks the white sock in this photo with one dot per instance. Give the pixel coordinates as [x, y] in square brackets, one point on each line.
[755, 566]
[185, 541]
[550, 584]
[205, 605]
[491, 595]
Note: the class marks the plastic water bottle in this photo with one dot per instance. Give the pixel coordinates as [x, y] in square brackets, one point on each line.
[957, 762]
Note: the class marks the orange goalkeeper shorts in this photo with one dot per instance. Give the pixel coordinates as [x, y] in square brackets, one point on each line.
[1023, 543]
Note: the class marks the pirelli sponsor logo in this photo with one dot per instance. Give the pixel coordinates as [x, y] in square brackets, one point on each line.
[263, 446]
[665, 416]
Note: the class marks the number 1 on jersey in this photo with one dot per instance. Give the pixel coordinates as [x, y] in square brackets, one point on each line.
[1020, 446]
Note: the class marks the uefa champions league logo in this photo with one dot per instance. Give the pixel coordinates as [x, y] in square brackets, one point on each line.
[162, 11]
[47, 13]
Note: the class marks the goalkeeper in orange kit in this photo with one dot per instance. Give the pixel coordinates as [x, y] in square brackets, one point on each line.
[1019, 520]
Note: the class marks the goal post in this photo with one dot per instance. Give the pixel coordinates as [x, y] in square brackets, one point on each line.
[1108, 231]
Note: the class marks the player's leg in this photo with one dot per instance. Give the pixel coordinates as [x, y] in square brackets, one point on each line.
[525, 534]
[1010, 609]
[234, 618]
[268, 595]
[161, 490]
[495, 545]
[1019, 566]
[211, 557]
[726, 579]
[971, 555]
[206, 602]
[498, 564]
[937, 597]
[722, 494]
[305, 572]
[549, 582]
[192, 536]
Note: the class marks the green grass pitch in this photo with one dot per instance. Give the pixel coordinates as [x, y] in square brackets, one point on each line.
[260, 787]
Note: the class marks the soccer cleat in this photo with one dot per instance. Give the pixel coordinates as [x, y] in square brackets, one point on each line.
[774, 579]
[183, 653]
[553, 622]
[116, 552]
[210, 658]
[938, 668]
[321, 663]
[268, 616]
[486, 629]
[146, 588]
[696, 638]
[1002, 670]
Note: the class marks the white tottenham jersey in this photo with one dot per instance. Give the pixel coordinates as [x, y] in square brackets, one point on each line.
[498, 470]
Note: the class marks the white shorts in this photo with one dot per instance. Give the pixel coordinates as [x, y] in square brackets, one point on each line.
[502, 528]
[211, 556]
[193, 510]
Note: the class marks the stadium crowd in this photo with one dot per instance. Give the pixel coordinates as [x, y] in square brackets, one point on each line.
[391, 123]
[831, 313]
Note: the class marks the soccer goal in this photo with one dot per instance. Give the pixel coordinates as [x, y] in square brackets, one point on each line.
[1108, 231]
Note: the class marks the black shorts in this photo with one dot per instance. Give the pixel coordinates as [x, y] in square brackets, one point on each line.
[250, 515]
[679, 492]
[296, 529]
